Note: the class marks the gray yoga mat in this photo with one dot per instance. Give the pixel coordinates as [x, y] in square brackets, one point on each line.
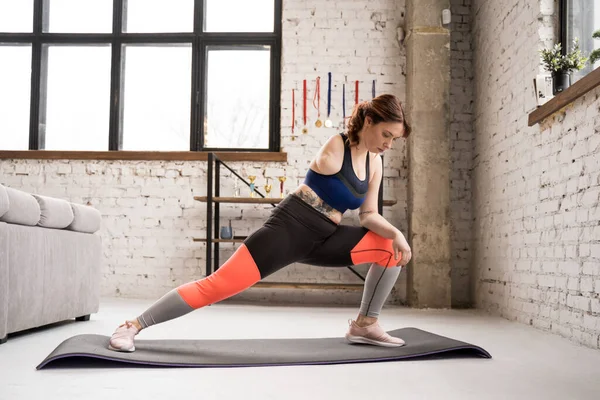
[259, 352]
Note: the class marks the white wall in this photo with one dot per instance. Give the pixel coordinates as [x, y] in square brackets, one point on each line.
[149, 217]
[532, 208]
[536, 189]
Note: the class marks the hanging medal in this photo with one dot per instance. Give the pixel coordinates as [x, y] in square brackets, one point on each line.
[328, 123]
[293, 113]
[318, 122]
[304, 129]
[373, 89]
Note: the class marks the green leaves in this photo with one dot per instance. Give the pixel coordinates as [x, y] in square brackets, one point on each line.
[595, 54]
[555, 61]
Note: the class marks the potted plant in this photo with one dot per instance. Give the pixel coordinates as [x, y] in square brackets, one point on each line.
[595, 54]
[561, 65]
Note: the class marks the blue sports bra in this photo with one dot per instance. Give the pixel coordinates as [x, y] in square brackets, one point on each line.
[342, 190]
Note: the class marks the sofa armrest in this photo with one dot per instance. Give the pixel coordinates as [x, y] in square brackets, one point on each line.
[3, 281]
[4, 204]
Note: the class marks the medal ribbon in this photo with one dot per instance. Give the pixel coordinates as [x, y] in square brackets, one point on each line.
[344, 103]
[329, 96]
[304, 116]
[318, 97]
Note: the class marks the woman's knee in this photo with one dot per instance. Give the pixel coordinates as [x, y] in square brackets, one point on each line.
[373, 248]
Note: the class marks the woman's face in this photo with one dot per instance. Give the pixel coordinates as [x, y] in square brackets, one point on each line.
[380, 137]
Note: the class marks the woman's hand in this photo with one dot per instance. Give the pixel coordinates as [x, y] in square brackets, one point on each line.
[400, 245]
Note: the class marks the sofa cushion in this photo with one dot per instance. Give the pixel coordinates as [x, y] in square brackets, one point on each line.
[55, 213]
[86, 219]
[3, 201]
[23, 208]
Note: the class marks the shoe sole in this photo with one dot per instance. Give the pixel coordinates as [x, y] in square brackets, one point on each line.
[364, 340]
[121, 350]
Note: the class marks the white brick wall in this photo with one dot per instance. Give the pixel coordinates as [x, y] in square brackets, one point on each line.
[536, 190]
[149, 216]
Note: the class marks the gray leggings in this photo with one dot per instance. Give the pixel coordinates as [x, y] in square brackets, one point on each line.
[378, 285]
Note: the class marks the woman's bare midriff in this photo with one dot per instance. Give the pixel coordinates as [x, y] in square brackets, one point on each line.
[311, 198]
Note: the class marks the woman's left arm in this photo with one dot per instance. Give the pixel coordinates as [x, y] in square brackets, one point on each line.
[370, 218]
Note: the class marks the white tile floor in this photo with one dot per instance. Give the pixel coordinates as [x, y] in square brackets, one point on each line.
[526, 364]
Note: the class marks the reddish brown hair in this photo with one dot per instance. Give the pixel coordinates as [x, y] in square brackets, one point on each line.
[383, 108]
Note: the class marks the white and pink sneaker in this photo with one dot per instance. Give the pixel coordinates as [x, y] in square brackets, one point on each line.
[122, 339]
[371, 334]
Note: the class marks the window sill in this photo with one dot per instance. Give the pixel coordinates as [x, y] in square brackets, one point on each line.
[575, 91]
[142, 155]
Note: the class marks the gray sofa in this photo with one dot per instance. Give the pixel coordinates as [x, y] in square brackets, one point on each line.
[49, 261]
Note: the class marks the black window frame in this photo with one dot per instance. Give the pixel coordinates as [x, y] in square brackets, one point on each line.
[199, 40]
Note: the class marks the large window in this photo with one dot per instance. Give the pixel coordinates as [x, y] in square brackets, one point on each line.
[579, 20]
[146, 75]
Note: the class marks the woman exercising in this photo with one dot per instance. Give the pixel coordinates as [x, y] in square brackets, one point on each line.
[305, 227]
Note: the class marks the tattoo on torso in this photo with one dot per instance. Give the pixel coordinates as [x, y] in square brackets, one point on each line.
[318, 204]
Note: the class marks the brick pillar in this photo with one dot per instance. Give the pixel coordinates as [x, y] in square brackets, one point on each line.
[428, 104]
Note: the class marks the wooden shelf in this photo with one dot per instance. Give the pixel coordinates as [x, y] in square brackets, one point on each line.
[239, 200]
[220, 240]
[566, 97]
[299, 285]
[143, 155]
[259, 200]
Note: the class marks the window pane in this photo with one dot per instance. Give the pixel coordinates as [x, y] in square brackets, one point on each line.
[15, 87]
[157, 98]
[76, 16]
[78, 98]
[249, 16]
[237, 105]
[583, 18]
[148, 16]
[16, 15]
